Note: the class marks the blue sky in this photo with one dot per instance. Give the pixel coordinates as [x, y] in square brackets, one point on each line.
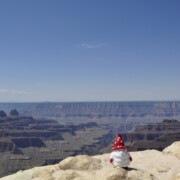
[89, 50]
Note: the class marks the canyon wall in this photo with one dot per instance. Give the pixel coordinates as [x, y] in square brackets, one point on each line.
[103, 112]
[26, 142]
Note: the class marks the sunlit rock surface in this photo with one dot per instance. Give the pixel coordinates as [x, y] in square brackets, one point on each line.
[173, 149]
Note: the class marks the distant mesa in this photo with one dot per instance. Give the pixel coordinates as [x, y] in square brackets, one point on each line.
[14, 112]
[3, 114]
[153, 136]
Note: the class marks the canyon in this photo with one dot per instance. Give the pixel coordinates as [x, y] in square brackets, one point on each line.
[39, 134]
[153, 136]
[101, 112]
[26, 142]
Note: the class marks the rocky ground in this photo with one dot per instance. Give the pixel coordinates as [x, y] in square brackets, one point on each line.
[146, 165]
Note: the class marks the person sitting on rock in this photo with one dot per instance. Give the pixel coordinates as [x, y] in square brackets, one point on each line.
[120, 157]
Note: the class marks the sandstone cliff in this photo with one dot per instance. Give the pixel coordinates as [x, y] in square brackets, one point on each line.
[146, 165]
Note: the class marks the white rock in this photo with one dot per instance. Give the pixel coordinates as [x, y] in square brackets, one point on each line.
[173, 149]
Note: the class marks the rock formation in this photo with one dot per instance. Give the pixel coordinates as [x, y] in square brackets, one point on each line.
[3, 114]
[26, 142]
[173, 149]
[146, 165]
[153, 136]
[102, 112]
[14, 112]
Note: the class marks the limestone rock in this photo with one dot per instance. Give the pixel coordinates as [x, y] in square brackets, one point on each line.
[114, 174]
[176, 176]
[81, 162]
[173, 149]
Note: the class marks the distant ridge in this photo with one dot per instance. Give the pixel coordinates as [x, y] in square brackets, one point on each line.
[124, 109]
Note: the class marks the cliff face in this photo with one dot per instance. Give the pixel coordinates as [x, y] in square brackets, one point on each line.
[26, 142]
[102, 111]
[146, 165]
[156, 136]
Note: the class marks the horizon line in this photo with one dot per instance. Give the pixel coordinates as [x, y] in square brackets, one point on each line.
[91, 101]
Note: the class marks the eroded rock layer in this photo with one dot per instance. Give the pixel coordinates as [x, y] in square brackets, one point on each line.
[101, 111]
[153, 136]
[26, 142]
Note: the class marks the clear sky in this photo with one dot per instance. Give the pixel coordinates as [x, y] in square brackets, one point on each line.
[89, 50]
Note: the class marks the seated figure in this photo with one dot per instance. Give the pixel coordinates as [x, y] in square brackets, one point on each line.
[120, 157]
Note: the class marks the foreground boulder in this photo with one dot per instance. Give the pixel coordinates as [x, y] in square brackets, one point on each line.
[146, 165]
[81, 162]
[173, 149]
